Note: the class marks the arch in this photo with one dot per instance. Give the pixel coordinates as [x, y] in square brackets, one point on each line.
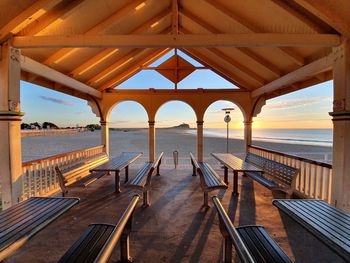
[113, 106]
[163, 103]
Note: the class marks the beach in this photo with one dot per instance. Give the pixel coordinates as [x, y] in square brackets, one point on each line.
[167, 141]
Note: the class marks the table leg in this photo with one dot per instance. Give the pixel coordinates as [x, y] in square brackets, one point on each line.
[225, 175]
[117, 182]
[126, 174]
[235, 183]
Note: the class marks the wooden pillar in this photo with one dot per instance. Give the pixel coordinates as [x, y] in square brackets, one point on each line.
[105, 136]
[152, 140]
[341, 126]
[10, 126]
[247, 134]
[200, 140]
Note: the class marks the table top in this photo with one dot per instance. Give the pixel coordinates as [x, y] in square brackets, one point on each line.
[235, 163]
[328, 223]
[118, 163]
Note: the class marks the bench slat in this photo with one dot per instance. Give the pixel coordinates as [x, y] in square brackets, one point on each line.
[315, 217]
[29, 220]
[141, 177]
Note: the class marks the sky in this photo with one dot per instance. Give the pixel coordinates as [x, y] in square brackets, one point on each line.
[307, 108]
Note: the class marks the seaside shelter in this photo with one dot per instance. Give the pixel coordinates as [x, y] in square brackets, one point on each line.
[86, 48]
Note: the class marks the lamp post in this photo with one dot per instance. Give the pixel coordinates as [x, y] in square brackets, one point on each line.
[227, 119]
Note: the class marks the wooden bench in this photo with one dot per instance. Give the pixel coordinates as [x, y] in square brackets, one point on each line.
[252, 243]
[209, 179]
[276, 176]
[79, 173]
[98, 241]
[142, 180]
[327, 223]
[22, 221]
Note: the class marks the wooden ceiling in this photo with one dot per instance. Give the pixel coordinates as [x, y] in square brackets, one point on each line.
[262, 46]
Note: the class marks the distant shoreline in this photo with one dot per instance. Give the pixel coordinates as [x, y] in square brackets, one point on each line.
[30, 133]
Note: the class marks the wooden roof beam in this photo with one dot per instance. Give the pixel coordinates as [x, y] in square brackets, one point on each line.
[180, 41]
[175, 17]
[90, 63]
[102, 26]
[222, 72]
[302, 73]
[330, 12]
[32, 66]
[202, 23]
[255, 29]
[62, 9]
[149, 59]
[27, 16]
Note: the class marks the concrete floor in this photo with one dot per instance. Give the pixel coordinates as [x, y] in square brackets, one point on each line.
[175, 228]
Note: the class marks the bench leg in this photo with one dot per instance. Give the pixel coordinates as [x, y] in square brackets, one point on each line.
[206, 201]
[126, 174]
[227, 250]
[225, 175]
[193, 169]
[158, 174]
[125, 243]
[146, 202]
[235, 183]
[117, 182]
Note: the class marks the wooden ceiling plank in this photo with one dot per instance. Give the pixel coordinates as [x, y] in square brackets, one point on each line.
[62, 9]
[253, 40]
[103, 54]
[211, 29]
[26, 17]
[325, 11]
[100, 27]
[304, 72]
[240, 83]
[304, 16]
[32, 66]
[149, 59]
[254, 28]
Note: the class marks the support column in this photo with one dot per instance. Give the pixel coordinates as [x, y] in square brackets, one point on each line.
[152, 140]
[247, 134]
[341, 126]
[10, 126]
[105, 136]
[200, 140]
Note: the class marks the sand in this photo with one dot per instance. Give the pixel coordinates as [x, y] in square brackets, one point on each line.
[167, 141]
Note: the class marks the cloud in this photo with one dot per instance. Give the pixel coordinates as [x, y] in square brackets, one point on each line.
[58, 101]
[295, 103]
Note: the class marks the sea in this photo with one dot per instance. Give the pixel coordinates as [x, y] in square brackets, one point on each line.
[317, 137]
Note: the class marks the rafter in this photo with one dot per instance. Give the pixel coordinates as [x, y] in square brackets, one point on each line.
[304, 16]
[90, 63]
[267, 40]
[229, 76]
[149, 59]
[211, 29]
[27, 16]
[32, 66]
[302, 73]
[255, 29]
[63, 8]
[331, 13]
[102, 26]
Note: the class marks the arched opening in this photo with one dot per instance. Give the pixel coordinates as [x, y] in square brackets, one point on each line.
[54, 123]
[215, 129]
[176, 130]
[298, 123]
[128, 128]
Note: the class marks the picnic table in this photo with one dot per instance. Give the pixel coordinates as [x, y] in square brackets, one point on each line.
[22, 221]
[116, 164]
[236, 165]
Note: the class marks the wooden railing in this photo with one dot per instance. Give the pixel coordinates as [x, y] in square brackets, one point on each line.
[314, 179]
[39, 177]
